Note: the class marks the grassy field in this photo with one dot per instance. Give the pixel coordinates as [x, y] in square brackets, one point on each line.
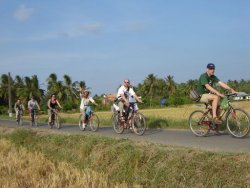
[168, 117]
[44, 159]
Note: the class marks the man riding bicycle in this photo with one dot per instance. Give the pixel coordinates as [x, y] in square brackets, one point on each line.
[125, 93]
[208, 93]
[32, 106]
[85, 109]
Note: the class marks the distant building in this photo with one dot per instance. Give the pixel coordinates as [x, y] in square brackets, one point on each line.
[108, 99]
[242, 96]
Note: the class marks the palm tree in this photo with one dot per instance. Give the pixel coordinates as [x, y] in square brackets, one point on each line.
[150, 87]
[30, 88]
[4, 87]
[171, 85]
[191, 84]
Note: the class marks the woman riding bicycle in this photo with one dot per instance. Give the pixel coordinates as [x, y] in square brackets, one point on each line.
[52, 104]
[19, 108]
[85, 109]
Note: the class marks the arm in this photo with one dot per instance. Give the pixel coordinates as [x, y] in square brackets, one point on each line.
[124, 99]
[93, 101]
[28, 105]
[38, 105]
[225, 86]
[49, 104]
[15, 108]
[210, 88]
[138, 99]
[58, 104]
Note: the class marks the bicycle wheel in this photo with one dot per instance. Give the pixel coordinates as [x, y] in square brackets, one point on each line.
[57, 121]
[139, 124]
[238, 123]
[80, 123]
[19, 120]
[117, 124]
[94, 122]
[35, 120]
[199, 123]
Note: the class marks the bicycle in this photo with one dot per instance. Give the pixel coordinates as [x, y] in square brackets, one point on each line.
[92, 121]
[19, 119]
[34, 118]
[55, 119]
[237, 120]
[135, 121]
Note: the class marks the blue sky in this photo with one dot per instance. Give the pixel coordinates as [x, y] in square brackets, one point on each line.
[105, 41]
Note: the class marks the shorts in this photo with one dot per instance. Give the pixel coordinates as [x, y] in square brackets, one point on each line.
[204, 98]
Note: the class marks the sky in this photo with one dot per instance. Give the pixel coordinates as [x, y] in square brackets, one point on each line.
[104, 42]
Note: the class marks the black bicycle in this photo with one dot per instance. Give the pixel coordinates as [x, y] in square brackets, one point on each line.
[34, 117]
[19, 118]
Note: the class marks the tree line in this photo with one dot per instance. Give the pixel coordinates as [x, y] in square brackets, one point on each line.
[152, 89]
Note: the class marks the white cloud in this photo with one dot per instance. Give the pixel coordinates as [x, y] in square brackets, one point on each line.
[92, 28]
[23, 13]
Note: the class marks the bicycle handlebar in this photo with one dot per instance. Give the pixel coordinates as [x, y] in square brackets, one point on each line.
[231, 95]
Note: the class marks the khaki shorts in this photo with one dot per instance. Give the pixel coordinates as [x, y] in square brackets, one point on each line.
[204, 98]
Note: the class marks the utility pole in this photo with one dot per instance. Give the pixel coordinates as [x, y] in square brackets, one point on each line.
[9, 92]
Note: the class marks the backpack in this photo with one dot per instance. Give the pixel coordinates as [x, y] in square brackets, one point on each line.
[194, 95]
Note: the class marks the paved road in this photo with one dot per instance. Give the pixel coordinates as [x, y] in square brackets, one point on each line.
[212, 142]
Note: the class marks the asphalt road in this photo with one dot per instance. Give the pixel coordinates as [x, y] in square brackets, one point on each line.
[184, 138]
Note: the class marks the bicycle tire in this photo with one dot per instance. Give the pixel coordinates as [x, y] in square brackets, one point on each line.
[117, 124]
[80, 123]
[238, 123]
[196, 124]
[57, 121]
[94, 122]
[35, 120]
[19, 120]
[139, 124]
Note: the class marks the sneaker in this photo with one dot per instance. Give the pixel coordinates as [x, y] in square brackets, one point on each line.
[83, 126]
[217, 121]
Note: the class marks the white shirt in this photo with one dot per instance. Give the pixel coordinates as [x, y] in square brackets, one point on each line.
[124, 91]
[32, 104]
[85, 102]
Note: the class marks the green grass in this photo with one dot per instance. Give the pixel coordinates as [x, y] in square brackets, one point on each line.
[149, 165]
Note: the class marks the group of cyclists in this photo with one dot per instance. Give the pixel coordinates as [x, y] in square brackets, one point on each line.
[126, 95]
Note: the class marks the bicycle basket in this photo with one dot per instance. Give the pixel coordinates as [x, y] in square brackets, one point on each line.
[224, 103]
[194, 95]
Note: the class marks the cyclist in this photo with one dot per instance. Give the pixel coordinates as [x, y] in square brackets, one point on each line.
[125, 93]
[19, 108]
[32, 106]
[208, 93]
[52, 104]
[84, 106]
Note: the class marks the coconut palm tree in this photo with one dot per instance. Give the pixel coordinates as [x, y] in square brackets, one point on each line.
[150, 86]
[171, 85]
